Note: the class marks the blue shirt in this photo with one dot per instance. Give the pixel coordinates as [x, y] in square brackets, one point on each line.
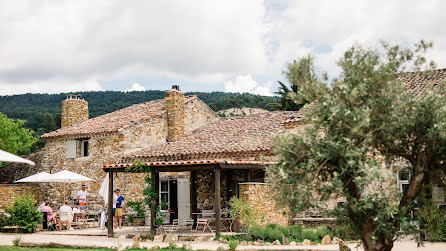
[119, 203]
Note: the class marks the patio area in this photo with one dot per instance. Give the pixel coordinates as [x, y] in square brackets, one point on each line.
[218, 180]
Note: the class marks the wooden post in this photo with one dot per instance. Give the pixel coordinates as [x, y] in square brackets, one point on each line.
[193, 196]
[110, 205]
[217, 201]
[154, 201]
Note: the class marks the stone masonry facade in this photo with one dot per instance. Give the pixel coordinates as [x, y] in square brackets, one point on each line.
[9, 192]
[259, 196]
[107, 148]
[74, 111]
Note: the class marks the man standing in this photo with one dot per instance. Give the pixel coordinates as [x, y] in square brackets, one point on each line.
[82, 198]
[118, 204]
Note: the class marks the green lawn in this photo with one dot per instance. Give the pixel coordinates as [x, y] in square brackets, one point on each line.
[12, 248]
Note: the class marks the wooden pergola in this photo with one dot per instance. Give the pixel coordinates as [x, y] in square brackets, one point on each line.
[180, 166]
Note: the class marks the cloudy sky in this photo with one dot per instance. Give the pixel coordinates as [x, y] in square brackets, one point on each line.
[236, 46]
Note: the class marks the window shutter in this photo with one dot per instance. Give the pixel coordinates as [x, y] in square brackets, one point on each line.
[438, 194]
[70, 149]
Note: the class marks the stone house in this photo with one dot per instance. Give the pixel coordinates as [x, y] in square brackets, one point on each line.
[199, 160]
[84, 145]
[231, 154]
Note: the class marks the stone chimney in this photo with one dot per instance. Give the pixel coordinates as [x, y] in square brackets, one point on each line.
[74, 110]
[175, 113]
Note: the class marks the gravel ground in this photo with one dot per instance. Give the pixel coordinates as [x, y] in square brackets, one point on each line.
[103, 241]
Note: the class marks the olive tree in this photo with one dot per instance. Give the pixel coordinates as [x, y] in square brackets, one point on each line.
[355, 133]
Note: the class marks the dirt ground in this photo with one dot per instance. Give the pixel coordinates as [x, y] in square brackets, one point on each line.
[93, 239]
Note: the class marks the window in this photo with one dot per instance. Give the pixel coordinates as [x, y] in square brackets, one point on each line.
[164, 194]
[84, 148]
[76, 148]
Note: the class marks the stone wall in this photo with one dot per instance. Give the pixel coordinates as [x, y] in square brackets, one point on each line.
[74, 111]
[15, 171]
[228, 186]
[259, 196]
[9, 192]
[197, 114]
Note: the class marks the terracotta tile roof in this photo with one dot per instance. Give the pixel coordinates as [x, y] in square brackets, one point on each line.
[246, 136]
[115, 121]
[189, 162]
[417, 82]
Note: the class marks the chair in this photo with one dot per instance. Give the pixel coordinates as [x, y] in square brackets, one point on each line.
[187, 224]
[204, 223]
[171, 228]
[62, 223]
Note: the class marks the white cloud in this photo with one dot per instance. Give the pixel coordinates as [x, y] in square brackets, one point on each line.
[199, 41]
[136, 87]
[246, 83]
[51, 86]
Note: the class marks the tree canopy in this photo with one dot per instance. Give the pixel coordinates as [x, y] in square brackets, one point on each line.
[14, 138]
[356, 133]
[301, 74]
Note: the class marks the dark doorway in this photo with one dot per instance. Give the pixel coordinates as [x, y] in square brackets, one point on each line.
[173, 195]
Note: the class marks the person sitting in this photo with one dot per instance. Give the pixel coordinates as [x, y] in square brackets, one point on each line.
[65, 216]
[49, 212]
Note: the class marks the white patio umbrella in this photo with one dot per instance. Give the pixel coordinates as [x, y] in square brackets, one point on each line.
[9, 157]
[66, 176]
[103, 191]
[38, 177]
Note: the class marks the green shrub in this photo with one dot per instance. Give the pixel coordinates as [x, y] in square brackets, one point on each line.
[258, 233]
[345, 232]
[24, 213]
[4, 221]
[432, 222]
[295, 231]
[273, 234]
[309, 234]
[233, 244]
[323, 231]
[248, 216]
[285, 230]
[16, 241]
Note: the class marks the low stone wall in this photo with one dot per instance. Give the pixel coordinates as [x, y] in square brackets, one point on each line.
[259, 196]
[9, 192]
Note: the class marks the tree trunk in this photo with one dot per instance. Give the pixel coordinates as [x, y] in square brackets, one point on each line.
[366, 231]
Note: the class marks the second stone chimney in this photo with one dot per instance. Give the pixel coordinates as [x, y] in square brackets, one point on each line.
[175, 107]
[74, 110]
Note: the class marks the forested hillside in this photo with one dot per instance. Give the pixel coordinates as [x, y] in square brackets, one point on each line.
[42, 111]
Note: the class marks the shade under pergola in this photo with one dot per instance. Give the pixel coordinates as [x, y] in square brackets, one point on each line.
[9, 157]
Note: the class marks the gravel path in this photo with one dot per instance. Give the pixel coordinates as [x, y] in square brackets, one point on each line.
[102, 241]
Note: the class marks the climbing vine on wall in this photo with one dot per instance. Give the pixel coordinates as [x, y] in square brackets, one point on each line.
[148, 192]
